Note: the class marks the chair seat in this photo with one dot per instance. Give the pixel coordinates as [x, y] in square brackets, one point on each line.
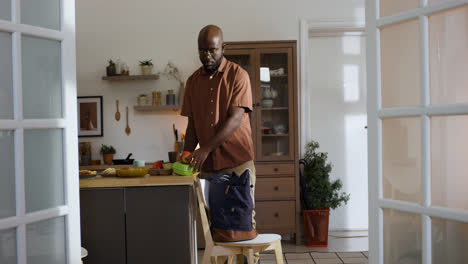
[260, 240]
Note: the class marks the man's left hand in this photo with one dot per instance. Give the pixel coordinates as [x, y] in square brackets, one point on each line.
[198, 157]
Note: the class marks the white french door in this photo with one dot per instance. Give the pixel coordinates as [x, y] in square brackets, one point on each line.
[39, 188]
[417, 65]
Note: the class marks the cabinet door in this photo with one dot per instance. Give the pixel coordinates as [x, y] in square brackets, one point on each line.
[275, 115]
[158, 225]
[246, 59]
[103, 225]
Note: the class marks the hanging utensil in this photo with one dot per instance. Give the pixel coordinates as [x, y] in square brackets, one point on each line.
[117, 114]
[127, 129]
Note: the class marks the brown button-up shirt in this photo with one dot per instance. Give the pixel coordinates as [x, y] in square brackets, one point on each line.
[207, 99]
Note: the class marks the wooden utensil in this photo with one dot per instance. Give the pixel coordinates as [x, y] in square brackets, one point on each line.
[117, 114]
[127, 129]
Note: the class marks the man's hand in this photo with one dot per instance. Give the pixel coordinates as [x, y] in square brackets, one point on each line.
[198, 157]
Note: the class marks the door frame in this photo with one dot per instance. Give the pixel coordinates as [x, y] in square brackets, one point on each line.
[425, 110]
[70, 210]
[314, 28]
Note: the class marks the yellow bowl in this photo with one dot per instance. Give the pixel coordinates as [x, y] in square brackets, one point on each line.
[132, 172]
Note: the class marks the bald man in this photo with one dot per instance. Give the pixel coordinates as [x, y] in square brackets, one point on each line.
[217, 100]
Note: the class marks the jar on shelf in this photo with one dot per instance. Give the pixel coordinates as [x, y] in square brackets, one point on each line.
[170, 97]
[142, 100]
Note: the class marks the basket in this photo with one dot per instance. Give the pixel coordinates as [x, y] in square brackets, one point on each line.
[316, 227]
[159, 172]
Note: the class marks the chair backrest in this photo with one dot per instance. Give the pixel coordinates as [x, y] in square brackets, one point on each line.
[201, 187]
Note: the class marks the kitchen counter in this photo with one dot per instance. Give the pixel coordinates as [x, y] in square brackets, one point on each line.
[139, 220]
[111, 182]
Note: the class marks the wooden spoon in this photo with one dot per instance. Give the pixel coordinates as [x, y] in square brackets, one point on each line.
[127, 129]
[117, 114]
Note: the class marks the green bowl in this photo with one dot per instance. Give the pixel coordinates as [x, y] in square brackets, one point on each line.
[182, 169]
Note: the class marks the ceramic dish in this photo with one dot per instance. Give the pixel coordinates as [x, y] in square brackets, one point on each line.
[132, 172]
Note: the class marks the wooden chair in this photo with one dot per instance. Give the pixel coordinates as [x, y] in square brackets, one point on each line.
[247, 248]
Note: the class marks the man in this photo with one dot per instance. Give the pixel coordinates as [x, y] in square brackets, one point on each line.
[217, 101]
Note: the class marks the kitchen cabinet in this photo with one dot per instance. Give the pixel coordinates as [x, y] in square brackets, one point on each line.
[273, 75]
[103, 225]
[138, 225]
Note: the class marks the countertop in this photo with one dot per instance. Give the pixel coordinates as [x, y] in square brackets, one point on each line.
[111, 182]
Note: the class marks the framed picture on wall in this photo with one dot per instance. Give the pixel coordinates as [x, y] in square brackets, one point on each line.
[90, 116]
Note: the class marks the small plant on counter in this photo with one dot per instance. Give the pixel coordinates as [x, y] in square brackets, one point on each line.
[107, 149]
[107, 154]
[146, 67]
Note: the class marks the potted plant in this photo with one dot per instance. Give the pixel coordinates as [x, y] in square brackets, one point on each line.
[107, 153]
[146, 67]
[318, 195]
[110, 69]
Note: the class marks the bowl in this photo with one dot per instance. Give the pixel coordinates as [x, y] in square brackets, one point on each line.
[267, 103]
[279, 129]
[132, 172]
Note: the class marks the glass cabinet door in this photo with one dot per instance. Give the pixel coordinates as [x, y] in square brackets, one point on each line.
[245, 58]
[275, 120]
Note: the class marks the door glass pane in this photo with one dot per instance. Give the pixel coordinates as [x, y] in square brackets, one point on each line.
[5, 10]
[42, 85]
[449, 241]
[436, 1]
[8, 246]
[449, 159]
[390, 7]
[45, 242]
[242, 59]
[7, 178]
[274, 104]
[448, 55]
[401, 153]
[400, 64]
[43, 168]
[44, 13]
[402, 237]
[6, 76]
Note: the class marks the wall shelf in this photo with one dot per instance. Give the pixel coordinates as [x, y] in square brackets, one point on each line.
[131, 77]
[156, 108]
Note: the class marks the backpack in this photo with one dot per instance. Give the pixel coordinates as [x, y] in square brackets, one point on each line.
[231, 207]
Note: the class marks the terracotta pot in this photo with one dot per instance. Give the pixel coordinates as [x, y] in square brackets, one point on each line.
[316, 227]
[108, 158]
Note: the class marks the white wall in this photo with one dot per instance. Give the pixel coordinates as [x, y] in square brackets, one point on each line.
[167, 30]
[336, 116]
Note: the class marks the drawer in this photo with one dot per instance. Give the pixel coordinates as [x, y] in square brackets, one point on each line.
[279, 215]
[274, 169]
[275, 189]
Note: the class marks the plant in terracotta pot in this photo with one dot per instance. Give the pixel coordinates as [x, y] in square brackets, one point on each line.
[146, 67]
[107, 153]
[318, 194]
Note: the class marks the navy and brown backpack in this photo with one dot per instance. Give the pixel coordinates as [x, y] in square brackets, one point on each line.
[231, 207]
